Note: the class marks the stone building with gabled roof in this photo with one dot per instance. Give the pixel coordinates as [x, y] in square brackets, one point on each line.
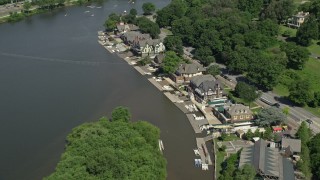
[239, 112]
[187, 71]
[143, 44]
[206, 88]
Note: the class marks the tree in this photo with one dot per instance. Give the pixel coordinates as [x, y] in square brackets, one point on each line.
[270, 116]
[111, 23]
[268, 134]
[266, 70]
[316, 99]
[213, 70]
[297, 55]
[121, 114]
[112, 150]
[246, 92]
[315, 154]
[173, 43]
[308, 30]
[300, 92]
[133, 12]
[26, 6]
[252, 6]
[204, 54]
[286, 110]
[256, 133]
[171, 62]
[249, 135]
[279, 10]
[148, 8]
[246, 172]
[147, 26]
[304, 133]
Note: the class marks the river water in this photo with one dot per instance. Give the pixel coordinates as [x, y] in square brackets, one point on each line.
[54, 76]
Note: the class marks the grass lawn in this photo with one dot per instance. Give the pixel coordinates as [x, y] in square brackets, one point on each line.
[311, 72]
[167, 31]
[220, 159]
[256, 110]
[285, 28]
[281, 89]
[314, 48]
[315, 111]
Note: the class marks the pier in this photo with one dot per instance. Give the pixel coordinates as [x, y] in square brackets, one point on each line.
[203, 151]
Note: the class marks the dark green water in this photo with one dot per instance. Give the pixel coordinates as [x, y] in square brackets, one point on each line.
[54, 76]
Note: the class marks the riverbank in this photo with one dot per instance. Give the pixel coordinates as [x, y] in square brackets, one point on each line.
[16, 13]
[113, 44]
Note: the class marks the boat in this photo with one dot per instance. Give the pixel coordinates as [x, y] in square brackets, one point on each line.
[92, 14]
[86, 11]
[161, 144]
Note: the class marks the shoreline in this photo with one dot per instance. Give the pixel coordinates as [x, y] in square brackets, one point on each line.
[167, 87]
[34, 11]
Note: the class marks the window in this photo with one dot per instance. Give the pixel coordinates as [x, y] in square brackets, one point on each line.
[247, 116]
[235, 117]
[241, 116]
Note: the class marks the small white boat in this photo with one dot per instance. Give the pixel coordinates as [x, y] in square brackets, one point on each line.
[66, 14]
[86, 11]
[92, 14]
[161, 145]
[99, 7]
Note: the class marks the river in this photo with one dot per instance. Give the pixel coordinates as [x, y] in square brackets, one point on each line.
[54, 76]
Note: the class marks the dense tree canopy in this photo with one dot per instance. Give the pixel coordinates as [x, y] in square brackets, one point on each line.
[112, 150]
[308, 30]
[171, 62]
[252, 6]
[279, 10]
[246, 92]
[147, 26]
[148, 8]
[297, 55]
[315, 154]
[304, 133]
[111, 23]
[300, 92]
[213, 70]
[173, 43]
[270, 116]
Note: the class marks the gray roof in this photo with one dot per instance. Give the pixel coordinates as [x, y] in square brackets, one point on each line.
[294, 144]
[267, 159]
[190, 68]
[152, 42]
[128, 27]
[238, 109]
[197, 80]
[136, 36]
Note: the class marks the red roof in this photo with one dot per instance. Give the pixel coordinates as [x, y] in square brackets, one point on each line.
[277, 128]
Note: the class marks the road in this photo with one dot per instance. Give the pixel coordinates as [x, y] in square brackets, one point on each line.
[296, 114]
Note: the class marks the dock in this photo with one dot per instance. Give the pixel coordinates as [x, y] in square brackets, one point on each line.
[203, 151]
[172, 97]
[139, 70]
[193, 123]
[155, 83]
